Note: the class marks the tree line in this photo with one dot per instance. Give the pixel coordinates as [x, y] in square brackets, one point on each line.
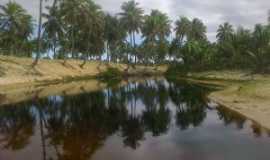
[81, 29]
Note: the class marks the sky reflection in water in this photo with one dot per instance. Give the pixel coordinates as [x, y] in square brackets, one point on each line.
[158, 119]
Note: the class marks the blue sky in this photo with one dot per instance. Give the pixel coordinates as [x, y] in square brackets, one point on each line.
[213, 12]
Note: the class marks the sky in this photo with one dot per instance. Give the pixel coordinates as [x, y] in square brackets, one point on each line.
[246, 13]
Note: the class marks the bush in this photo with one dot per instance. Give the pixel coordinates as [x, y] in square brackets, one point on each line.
[177, 69]
[110, 74]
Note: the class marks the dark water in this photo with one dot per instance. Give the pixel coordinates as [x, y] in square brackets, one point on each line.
[155, 120]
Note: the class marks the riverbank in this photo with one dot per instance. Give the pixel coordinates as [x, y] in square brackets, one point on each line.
[21, 93]
[240, 91]
[18, 71]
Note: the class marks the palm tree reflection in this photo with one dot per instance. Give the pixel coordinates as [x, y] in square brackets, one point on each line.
[75, 127]
[16, 126]
[191, 108]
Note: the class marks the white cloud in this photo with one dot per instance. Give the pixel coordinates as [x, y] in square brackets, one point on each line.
[212, 12]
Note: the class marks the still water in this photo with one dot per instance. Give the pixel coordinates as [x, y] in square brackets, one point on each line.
[153, 120]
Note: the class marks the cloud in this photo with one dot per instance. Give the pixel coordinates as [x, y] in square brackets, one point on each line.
[212, 12]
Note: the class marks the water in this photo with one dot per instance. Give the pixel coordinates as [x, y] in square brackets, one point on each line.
[153, 120]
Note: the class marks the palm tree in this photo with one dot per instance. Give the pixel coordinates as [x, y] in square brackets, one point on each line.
[53, 28]
[260, 47]
[132, 17]
[197, 31]
[182, 28]
[91, 30]
[114, 35]
[69, 12]
[15, 27]
[39, 40]
[241, 43]
[225, 32]
[156, 30]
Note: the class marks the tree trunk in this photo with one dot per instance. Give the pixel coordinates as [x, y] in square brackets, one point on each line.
[54, 52]
[108, 58]
[39, 34]
[84, 62]
[72, 43]
[100, 63]
[134, 47]
[131, 40]
[128, 58]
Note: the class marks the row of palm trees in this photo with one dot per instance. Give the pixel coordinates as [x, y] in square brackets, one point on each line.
[80, 29]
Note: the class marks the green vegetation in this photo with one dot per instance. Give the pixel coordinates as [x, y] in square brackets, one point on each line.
[111, 74]
[81, 29]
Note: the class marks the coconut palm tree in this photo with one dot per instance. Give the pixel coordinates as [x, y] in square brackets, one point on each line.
[15, 27]
[241, 42]
[132, 18]
[114, 35]
[197, 30]
[156, 30]
[91, 30]
[260, 47]
[39, 39]
[182, 28]
[225, 32]
[70, 15]
[53, 28]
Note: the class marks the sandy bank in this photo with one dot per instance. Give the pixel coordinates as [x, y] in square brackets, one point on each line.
[14, 71]
[246, 94]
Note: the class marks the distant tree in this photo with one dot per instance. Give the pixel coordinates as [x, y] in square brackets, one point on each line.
[39, 38]
[91, 31]
[53, 27]
[182, 29]
[225, 32]
[70, 15]
[156, 30]
[260, 47]
[132, 18]
[242, 40]
[83, 23]
[15, 29]
[114, 36]
[197, 31]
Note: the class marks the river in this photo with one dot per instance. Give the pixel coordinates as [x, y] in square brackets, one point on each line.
[156, 119]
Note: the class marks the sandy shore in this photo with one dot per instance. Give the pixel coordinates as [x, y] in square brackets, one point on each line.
[246, 94]
[18, 71]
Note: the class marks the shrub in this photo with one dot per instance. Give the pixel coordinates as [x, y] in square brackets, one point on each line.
[110, 74]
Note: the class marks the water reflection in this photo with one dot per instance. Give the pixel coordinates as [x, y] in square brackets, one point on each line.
[16, 126]
[189, 100]
[230, 117]
[76, 127]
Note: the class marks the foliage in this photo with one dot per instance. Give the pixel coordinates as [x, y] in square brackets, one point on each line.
[15, 30]
[80, 29]
[131, 19]
[111, 74]
[155, 31]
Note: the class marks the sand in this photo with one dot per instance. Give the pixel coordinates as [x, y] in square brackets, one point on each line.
[14, 70]
[239, 91]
